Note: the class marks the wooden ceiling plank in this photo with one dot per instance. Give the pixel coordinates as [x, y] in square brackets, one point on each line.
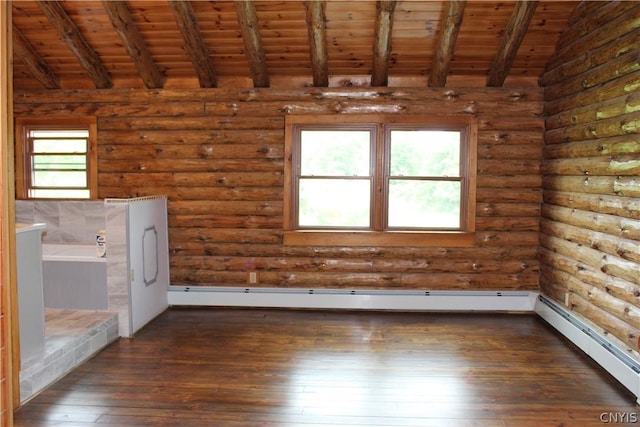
[452, 15]
[71, 35]
[382, 45]
[36, 65]
[316, 28]
[250, 30]
[126, 28]
[514, 34]
[194, 43]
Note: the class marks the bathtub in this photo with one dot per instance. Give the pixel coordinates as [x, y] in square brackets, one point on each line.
[70, 253]
[74, 277]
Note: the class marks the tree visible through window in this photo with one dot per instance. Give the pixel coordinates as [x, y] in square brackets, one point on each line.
[55, 160]
[372, 174]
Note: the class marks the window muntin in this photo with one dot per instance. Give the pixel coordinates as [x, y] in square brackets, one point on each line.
[56, 159]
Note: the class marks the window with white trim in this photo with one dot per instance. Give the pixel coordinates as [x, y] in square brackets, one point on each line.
[380, 180]
[56, 158]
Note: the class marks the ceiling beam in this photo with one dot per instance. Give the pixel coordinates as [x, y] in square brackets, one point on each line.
[450, 22]
[71, 35]
[382, 46]
[316, 29]
[126, 28]
[196, 47]
[511, 41]
[37, 66]
[249, 28]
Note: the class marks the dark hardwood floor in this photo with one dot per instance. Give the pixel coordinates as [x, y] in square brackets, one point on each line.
[235, 367]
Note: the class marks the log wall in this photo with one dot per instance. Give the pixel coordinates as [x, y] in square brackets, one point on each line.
[218, 156]
[590, 226]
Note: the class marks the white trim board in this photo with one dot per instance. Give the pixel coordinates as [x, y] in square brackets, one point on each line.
[353, 299]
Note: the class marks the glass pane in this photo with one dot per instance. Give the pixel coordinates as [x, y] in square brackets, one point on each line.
[60, 179]
[39, 193]
[59, 145]
[334, 203]
[334, 153]
[425, 153]
[424, 204]
[53, 162]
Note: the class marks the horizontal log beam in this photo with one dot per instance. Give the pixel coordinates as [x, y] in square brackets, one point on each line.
[626, 124]
[189, 248]
[626, 249]
[621, 186]
[623, 165]
[610, 108]
[195, 179]
[623, 207]
[612, 69]
[614, 146]
[112, 152]
[387, 281]
[608, 264]
[614, 225]
[375, 96]
[552, 263]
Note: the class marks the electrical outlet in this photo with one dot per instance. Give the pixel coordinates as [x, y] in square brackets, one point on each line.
[252, 277]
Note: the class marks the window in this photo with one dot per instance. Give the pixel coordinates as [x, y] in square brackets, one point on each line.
[56, 158]
[380, 180]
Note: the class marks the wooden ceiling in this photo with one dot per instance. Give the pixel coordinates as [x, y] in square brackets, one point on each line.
[181, 44]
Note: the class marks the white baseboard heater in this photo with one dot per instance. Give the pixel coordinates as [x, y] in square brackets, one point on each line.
[613, 359]
[353, 299]
[608, 355]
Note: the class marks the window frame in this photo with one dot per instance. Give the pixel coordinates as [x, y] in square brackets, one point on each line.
[24, 152]
[378, 236]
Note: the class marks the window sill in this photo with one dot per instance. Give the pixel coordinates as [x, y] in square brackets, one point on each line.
[459, 239]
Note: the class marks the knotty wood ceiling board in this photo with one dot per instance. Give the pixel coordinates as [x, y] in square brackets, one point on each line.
[350, 34]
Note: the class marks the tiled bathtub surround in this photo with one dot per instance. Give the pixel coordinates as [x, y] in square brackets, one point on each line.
[71, 337]
[79, 222]
[67, 222]
[117, 264]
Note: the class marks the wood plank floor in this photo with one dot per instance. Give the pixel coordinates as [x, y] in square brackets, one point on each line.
[233, 367]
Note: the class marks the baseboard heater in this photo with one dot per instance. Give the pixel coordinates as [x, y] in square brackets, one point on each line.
[353, 299]
[609, 356]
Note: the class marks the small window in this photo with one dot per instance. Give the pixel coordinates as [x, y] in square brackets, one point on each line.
[363, 180]
[56, 159]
